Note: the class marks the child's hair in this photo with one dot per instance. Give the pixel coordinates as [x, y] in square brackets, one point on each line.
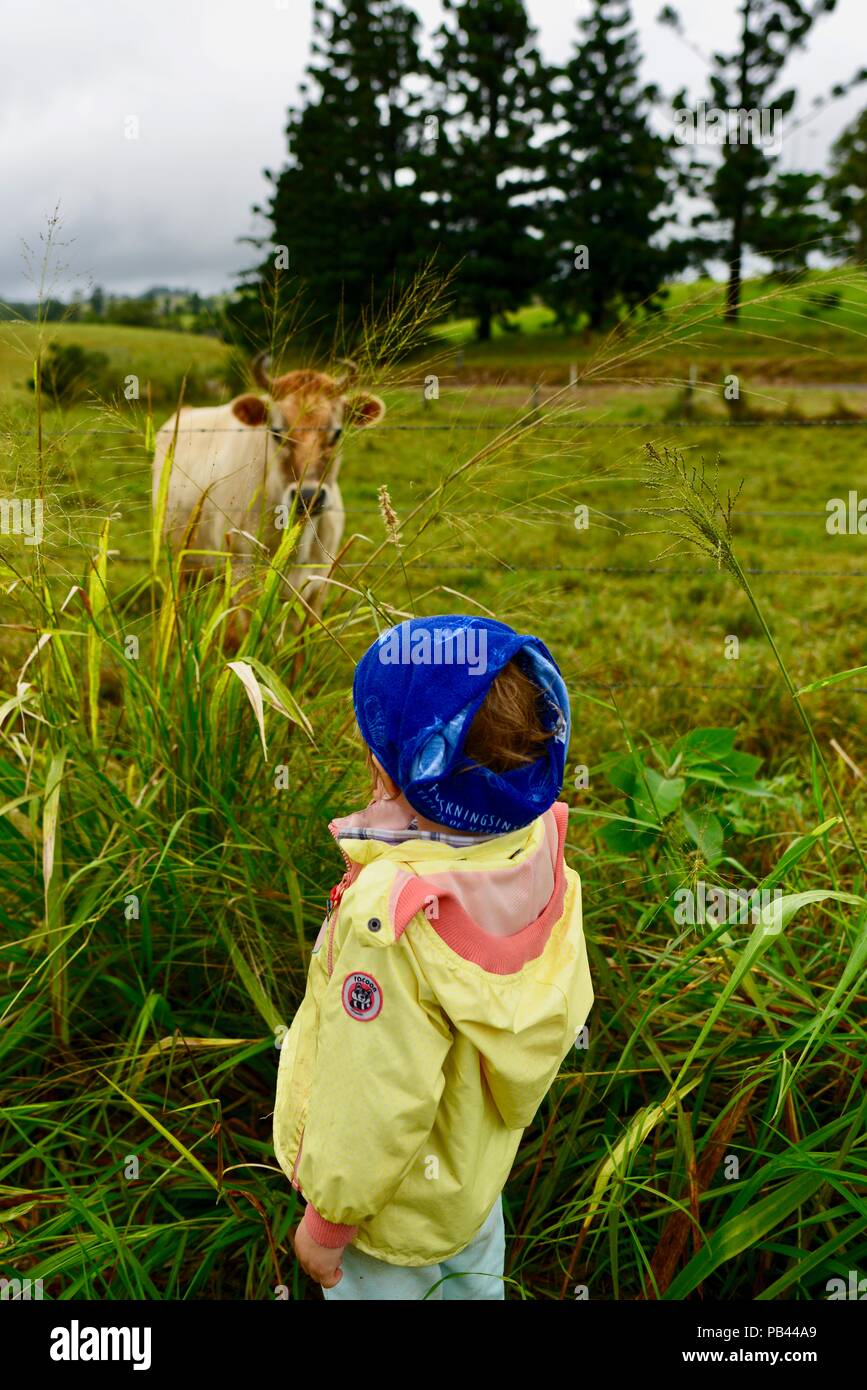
[506, 731]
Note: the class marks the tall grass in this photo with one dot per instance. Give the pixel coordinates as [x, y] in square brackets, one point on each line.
[162, 813]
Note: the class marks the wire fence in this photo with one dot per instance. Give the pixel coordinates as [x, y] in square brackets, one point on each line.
[503, 567]
[710, 685]
[483, 427]
[556, 516]
[527, 513]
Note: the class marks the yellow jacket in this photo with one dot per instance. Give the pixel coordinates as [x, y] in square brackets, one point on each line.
[425, 1044]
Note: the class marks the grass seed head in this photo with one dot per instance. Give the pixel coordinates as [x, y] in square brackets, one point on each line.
[691, 503]
[389, 516]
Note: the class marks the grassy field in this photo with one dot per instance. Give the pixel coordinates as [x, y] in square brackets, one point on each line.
[162, 894]
[810, 331]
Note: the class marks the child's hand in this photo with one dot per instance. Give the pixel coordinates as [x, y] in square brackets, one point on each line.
[321, 1262]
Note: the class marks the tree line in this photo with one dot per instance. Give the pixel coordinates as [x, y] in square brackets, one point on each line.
[536, 181]
[158, 307]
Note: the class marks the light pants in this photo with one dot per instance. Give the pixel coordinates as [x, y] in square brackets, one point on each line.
[476, 1273]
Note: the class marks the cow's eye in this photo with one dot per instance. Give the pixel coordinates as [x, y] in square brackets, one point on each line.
[335, 435]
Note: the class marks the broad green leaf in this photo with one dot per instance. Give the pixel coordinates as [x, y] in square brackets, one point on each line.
[705, 830]
[658, 796]
[718, 778]
[705, 745]
[622, 775]
[744, 1231]
[627, 837]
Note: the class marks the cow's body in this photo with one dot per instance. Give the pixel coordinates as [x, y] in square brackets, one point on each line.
[256, 462]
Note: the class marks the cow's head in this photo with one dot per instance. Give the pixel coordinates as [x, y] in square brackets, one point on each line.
[306, 415]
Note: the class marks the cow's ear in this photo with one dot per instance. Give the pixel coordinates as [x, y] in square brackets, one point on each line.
[250, 410]
[363, 410]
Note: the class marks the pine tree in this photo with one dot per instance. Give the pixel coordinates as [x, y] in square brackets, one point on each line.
[345, 208]
[846, 190]
[611, 178]
[792, 223]
[491, 93]
[745, 80]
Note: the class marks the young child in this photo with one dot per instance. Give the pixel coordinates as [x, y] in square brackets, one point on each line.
[450, 976]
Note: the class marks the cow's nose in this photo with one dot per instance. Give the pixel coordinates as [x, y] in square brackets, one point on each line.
[311, 496]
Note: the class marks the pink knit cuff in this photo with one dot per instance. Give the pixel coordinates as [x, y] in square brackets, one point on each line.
[327, 1232]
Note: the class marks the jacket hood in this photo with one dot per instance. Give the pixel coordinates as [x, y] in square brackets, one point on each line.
[510, 953]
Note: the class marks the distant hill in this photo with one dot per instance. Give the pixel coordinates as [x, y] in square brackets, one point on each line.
[809, 331]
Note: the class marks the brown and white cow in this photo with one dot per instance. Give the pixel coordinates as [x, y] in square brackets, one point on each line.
[258, 462]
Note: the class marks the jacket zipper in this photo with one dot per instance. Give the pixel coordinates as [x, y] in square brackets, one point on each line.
[334, 898]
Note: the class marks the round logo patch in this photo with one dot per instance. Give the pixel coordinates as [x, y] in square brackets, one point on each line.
[362, 997]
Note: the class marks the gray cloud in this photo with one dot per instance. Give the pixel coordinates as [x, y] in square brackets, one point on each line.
[209, 82]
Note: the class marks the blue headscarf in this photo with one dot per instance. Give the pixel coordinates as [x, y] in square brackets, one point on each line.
[416, 692]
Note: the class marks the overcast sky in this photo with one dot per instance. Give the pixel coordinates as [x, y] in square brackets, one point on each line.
[209, 82]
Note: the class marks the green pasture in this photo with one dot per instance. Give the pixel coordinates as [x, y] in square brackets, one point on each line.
[810, 330]
[167, 858]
